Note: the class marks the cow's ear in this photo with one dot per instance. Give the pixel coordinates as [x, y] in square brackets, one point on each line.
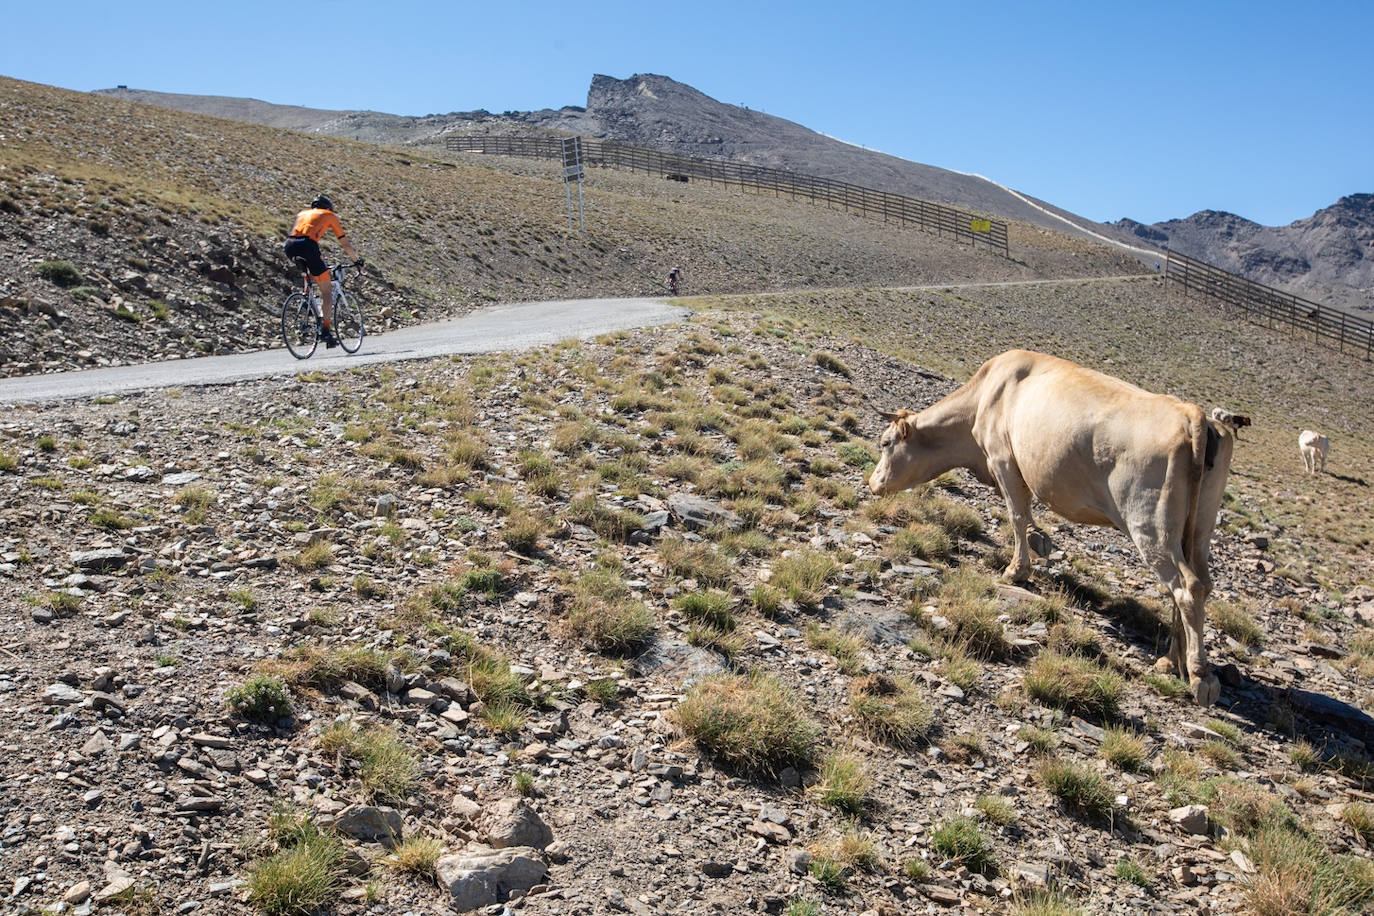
[906, 425]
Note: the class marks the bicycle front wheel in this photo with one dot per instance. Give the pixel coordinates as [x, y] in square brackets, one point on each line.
[348, 322]
[298, 326]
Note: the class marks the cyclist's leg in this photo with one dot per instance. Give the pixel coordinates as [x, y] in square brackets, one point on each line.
[308, 250]
[326, 296]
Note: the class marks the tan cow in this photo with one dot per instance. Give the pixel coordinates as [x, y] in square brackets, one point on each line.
[1314, 447]
[1097, 451]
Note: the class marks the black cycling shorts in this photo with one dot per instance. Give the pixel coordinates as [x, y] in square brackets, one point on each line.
[308, 250]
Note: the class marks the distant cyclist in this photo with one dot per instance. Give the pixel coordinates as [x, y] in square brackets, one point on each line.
[673, 277]
[304, 243]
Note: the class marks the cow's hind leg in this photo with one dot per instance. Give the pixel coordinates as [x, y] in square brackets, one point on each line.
[1187, 654]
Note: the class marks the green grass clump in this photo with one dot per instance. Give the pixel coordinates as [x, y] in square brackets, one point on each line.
[1359, 817]
[1124, 749]
[831, 363]
[966, 600]
[753, 724]
[386, 768]
[802, 575]
[708, 607]
[846, 648]
[697, 560]
[892, 710]
[523, 531]
[996, 809]
[1080, 789]
[959, 840]
[604, 614]
[260, 699]
[111, 520]
[1074, 684]
[304, 873]
[844, 783]
[416, 855]
[1236, 622]
[1297, 874]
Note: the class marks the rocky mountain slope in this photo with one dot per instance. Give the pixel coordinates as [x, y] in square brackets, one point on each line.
[156, 234]
[1325, 257]
[456, 607]
[1328, 257]
[657, 112]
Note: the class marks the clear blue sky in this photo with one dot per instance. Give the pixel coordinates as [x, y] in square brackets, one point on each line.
[1152, 110]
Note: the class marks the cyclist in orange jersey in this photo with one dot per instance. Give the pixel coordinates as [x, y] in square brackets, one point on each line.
[304, 243]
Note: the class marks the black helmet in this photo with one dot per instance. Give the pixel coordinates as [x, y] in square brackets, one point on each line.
[322, 203]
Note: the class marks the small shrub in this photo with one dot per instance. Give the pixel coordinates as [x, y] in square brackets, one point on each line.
[917, 870]
[753, 724]
[959, 840]
[831, 363]
[1079, 788]
[1132, 872]
[261, 699]
[59, 273]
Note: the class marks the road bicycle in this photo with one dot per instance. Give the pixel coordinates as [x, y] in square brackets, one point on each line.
[302, 314]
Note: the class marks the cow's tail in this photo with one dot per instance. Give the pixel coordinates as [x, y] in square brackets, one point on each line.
[1205, 442]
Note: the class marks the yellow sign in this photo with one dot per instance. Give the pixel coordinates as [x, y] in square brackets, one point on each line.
[981, 225]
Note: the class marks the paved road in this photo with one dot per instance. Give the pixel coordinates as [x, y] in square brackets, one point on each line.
[509, 327]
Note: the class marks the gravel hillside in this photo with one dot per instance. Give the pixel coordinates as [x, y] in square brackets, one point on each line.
[492, 590]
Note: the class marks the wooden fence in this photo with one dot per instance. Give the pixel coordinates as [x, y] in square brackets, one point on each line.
[1271, 307]
[961, 225]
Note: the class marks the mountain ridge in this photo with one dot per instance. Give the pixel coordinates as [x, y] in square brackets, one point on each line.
[1328, 256]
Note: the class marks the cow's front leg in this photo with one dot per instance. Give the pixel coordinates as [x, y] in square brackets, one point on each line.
[1017, 496]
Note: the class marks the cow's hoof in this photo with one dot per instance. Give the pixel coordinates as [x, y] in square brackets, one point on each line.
[1014, 576]
[1164, 665]
[1206, 690]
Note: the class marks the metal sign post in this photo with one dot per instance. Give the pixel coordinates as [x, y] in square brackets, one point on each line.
[572, 171]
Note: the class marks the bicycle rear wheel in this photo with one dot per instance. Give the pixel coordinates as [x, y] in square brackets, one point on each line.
[298, 326]
[348, 322]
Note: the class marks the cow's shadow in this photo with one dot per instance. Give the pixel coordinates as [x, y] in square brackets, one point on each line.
[1357, 481]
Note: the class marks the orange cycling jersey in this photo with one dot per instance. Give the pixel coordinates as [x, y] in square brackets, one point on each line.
[313, 224]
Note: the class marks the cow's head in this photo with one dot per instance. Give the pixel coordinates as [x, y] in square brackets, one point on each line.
[900, 462]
